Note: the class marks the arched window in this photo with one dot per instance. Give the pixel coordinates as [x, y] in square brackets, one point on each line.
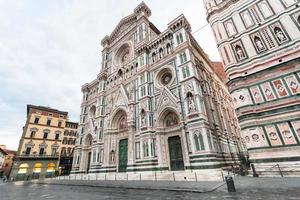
[71, 133]
[63, 151]
[161, 52]
[179, 38]
[153, 57]
[198, 138]
[37, 168]
[168, 48]
[23, 168]
[51, 167]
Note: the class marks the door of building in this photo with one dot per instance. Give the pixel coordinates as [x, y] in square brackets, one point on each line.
[123, 144]
[89, 162]
[176, 158]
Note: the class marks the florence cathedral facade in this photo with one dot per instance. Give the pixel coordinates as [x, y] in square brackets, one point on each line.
[157, 105]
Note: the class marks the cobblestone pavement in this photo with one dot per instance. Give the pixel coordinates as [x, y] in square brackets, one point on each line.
[247, 188]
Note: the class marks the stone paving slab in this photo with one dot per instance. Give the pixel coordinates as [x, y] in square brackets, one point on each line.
[247, 189]
[241, 183]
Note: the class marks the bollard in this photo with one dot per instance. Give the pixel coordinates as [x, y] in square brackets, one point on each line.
[230, 184]
[254, 171]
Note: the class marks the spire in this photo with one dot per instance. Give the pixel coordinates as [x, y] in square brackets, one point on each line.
[142, 10]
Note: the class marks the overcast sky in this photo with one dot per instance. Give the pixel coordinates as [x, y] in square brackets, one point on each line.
[50, 48]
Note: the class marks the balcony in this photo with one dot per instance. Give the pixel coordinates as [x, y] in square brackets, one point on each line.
[38, 156]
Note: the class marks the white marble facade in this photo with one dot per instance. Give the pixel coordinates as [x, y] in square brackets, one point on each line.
[156, 105]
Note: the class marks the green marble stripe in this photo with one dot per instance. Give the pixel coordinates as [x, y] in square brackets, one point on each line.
[203, 156]
[270, 123]
[145, 161]
[208, 160]
[148, 169]
[103, 171]
[206, 166]
[279, 134]
[273, 147]
[111, 167]
[268, 160]
[142, 165]
[268, 113]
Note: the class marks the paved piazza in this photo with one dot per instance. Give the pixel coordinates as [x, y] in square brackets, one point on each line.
[247, 188]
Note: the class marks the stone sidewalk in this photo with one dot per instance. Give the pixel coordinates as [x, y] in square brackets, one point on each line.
[241, 184]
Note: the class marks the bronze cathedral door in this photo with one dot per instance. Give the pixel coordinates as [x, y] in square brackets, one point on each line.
[123, 148]
[176, 158]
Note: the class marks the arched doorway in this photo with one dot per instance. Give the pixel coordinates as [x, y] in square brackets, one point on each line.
[88, 143]
[50, 170]
[22, 171]
[170, 120]
[37, 169]
[119, 123]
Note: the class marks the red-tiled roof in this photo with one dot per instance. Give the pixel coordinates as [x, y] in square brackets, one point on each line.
[219, 69]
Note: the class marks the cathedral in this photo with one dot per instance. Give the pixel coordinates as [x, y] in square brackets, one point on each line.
[159, 108]
[259, 41]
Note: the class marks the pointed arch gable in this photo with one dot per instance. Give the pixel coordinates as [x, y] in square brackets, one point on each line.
[121, 99]
[167, 99]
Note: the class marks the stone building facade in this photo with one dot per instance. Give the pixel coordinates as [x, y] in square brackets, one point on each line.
[67, 148]
[6, 160]
[259, 41]
[39, 149]
[3, 154]
[157, 106]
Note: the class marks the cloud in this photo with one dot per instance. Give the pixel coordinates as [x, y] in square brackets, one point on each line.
[49, 49]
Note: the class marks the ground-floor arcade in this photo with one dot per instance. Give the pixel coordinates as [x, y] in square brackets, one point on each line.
[26, 169]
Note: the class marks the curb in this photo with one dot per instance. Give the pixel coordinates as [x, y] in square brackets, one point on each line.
[139, 188]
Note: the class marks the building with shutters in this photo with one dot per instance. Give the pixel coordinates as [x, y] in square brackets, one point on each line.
[6, 160]
[156, 108]
[42, 144]
[259, 41]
